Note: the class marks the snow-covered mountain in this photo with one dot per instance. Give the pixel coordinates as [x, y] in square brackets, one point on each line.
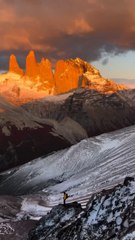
[88, 167]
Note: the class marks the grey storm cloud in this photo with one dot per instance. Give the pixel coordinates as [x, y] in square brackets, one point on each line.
[65, 28]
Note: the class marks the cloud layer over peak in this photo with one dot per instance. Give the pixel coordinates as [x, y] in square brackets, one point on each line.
[66, 29]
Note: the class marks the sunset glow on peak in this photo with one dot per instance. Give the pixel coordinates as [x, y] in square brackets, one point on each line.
[39, 80]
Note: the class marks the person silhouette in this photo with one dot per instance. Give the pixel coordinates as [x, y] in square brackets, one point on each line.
[65, 196]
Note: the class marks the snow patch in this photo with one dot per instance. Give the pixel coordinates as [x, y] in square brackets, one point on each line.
[130, 236]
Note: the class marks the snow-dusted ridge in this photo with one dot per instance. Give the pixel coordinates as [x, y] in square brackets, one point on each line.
[82, 170]
[87, 167]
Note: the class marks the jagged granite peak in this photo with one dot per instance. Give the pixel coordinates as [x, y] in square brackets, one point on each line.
[75, 73]
[66, 76]
[40, 73]
[85, 66]
[41, 80]
[46, 74]
[14, 66]
[31, 65]
[69, 74]
[109, 214]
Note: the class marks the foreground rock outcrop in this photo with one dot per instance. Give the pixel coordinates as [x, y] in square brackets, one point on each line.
[58, 219]
[109, 214]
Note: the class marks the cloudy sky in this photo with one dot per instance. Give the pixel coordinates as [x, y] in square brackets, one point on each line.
[99, 31]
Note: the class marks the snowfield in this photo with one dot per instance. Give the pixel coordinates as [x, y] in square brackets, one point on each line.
[92, 165]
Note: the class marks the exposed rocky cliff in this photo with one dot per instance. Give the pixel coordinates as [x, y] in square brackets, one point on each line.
[14, 66]
[109, 214]
[76, 73]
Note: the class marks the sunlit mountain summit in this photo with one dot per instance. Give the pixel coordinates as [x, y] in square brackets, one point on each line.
[38, 80]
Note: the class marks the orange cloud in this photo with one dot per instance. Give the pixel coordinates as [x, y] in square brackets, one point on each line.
[66, 27]
[7, 16]
[79, 26]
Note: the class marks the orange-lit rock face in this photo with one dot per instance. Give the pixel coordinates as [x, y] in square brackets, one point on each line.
[14, 66]
[39, 81]
[46, 74]
[70, 74]
[32, 69]
[40, 72]
[66, 76]
[101, 84]
[82, 74]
